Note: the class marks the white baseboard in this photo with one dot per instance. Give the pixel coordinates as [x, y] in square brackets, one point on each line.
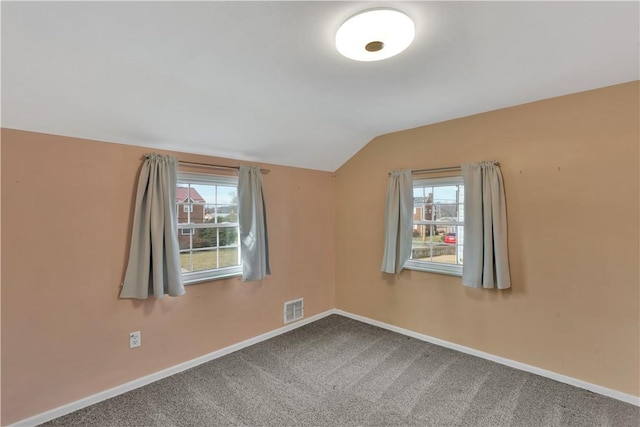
[140, 382]
[628, 398]
[132, 385]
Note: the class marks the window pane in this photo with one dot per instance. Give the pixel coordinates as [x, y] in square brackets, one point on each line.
[205, 238]
[227, 195]
[229, 257]
[444, 253]
[421, 235]
[197, 214]
[428, 212]
[445, 194]
[184, 238]
[422, 196]
[182, 211]
[423, 238]
[201, 260]
[451, 249]
[420, 248]
[227, 213]
[186, 262]
[441, 231]
[446, 212]
[201, 193]
[209, 213]
[228, 236]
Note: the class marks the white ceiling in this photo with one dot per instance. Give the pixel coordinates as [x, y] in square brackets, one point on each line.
[262, 81]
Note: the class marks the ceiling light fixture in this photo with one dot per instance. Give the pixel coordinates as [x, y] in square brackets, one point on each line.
[372, 35]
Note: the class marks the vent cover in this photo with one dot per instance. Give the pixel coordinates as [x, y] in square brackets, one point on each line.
[293, 310]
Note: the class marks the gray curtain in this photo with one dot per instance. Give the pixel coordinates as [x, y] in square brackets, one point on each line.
[154, 259]
[254, 239]
[486, 259]
[398, 221]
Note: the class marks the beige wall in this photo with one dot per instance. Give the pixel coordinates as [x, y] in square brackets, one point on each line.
[66, 220]
[571, 173]
[570, 167]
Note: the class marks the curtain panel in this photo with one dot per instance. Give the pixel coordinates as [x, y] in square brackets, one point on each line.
[252, 213]
[154, 257]
[486, 258]
[398, 221]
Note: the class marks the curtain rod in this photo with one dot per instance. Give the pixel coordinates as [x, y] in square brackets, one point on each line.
[209, 165]
[444, 169]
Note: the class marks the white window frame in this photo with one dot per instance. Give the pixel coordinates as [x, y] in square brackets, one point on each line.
[187, 208]
[430, 266]
[192, 277]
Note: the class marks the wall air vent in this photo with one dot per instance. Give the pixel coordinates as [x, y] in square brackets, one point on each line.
[293, 310]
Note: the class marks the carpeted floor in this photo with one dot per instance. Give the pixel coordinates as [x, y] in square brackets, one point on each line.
[340, 372]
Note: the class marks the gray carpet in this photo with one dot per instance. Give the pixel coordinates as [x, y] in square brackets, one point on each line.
[340, 372]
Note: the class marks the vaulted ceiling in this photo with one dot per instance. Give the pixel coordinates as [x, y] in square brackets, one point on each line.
[262, 81]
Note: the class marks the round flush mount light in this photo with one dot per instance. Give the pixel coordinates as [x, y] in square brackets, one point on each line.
[375, 34]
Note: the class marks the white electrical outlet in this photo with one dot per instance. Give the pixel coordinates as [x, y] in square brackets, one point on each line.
[134, 339]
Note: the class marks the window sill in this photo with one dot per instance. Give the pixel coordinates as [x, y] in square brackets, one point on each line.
[211, 275]
[432, 267]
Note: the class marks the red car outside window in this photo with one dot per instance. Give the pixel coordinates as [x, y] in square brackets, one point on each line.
[450, 238]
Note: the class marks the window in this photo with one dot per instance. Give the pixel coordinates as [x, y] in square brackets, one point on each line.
[438, 225]
[208, 233]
